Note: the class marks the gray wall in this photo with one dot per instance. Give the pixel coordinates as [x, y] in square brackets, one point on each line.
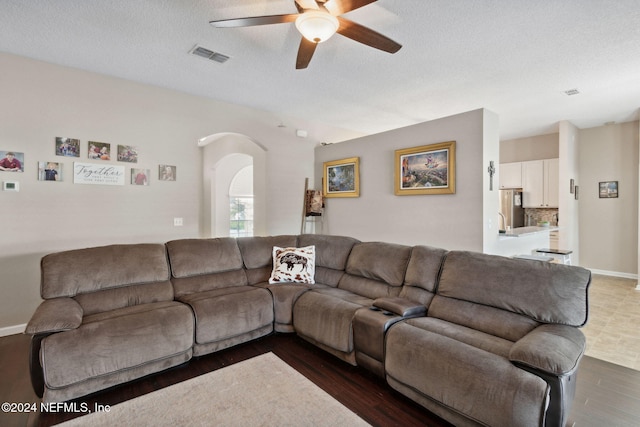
[41, 101]
[452, 221]
[537, 147]
[609, 227]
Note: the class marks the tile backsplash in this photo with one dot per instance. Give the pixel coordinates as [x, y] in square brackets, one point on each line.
[534, 216]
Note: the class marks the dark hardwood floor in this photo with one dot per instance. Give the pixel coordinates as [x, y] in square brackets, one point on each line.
[607, 394]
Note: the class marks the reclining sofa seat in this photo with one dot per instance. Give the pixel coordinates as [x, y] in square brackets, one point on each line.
[500, 344]
[323, 316]
[108, 317]
[331, 253]
[209, 276]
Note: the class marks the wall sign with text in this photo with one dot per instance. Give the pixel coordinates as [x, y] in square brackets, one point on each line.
[87, 173]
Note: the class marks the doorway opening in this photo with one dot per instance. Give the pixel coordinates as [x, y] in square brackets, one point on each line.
[241, 203]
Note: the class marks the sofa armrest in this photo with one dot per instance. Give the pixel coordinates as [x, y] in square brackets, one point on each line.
[55, 315]
[551, 348]
[400, 306]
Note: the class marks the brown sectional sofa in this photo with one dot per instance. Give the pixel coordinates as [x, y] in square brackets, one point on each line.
[477, 339]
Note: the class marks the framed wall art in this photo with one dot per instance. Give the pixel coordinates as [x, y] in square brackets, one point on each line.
[608, 189]
[341, 178]
[140, 176]
[166, 173]
[49, 171]
[67, 147]
[11, 161]
[127, 153]
[428, 169]
[99, 150]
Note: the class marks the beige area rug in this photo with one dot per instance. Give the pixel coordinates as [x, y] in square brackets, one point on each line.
[262, 391]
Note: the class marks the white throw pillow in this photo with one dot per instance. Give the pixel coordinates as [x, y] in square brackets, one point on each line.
[296, 265]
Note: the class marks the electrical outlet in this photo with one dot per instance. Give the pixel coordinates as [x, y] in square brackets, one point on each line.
[177, 222]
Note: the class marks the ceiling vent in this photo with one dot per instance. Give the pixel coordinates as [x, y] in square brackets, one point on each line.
[571, 92]
[209, 54]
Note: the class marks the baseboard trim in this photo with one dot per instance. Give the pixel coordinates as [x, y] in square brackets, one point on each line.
[616, 274]
[12, 330]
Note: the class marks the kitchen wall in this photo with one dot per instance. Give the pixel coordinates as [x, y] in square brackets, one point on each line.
[41, 101]
[452, 221]
[537, 147]
[609, 227]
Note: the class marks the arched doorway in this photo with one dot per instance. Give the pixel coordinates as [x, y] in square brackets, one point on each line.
[224, 156]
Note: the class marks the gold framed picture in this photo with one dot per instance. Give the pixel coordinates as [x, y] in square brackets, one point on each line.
[428, 169]
[341, 178]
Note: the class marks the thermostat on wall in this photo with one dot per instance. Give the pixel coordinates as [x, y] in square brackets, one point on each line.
[11, 186]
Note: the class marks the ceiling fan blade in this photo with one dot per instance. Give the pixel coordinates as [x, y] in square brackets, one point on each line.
[367, 36]
[257, 20]
[305, 53]
[338, 7]
[306, 4]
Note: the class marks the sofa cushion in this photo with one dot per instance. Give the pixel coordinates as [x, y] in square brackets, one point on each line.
[326, 319]
[470, 336]
[332, 253]
[258, 251]
[490, 320]
[257, 255]
[66, 274]
[194, 284]
[55, 315]
[368, 288]
[545, 292]
[118, 340]
[229, 312]
[422, 274]
[555, 349]
[385, 262]
[293, 265]
[115, 298]
[193, 257]
[483, 386]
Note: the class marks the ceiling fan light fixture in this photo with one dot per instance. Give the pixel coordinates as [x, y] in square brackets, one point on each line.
[317, 26]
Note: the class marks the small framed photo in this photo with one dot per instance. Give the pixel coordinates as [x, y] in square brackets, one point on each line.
[127, 153]
[49, 171]
[166, 173]
[99, 150]
[11, 161]
[67, 147]
[341, 178]
[140, 176]
[428, 169]
[608, 189]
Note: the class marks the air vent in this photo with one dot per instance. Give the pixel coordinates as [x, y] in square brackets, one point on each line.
[209, 54]
[571, 92]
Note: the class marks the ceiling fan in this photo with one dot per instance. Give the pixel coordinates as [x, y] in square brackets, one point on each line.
[317, 21]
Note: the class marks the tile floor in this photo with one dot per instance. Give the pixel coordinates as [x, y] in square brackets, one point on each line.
[613, 329]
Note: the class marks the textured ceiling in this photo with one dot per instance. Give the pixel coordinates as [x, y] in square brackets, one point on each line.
[513, 57]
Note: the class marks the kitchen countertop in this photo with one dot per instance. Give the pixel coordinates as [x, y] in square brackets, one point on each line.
[526, 231]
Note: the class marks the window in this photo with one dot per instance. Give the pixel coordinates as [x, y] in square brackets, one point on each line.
[241, 203]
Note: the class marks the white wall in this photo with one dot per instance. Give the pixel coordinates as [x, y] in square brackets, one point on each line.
[609, 227]
[451, 221]
[568, 206]
[41, 101]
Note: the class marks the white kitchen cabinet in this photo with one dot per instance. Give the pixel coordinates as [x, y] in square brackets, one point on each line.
[511, 175]
[540, 183]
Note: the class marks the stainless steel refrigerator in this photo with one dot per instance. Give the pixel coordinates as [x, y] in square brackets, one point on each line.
[511, 208]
